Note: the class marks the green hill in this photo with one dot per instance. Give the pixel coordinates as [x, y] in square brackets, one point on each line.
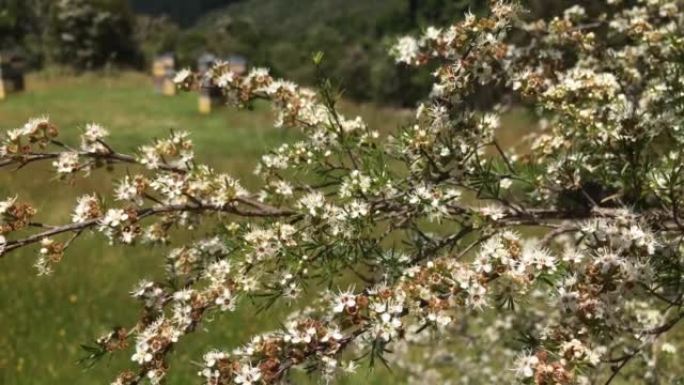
[183, 12]
[354, 35]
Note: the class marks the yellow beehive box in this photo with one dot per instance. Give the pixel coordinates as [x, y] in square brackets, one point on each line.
[163, 72]
[205, 104]
[169, 87]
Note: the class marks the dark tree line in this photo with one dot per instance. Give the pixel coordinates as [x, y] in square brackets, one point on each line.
[83, 34]
[183, 12]
[354, 35]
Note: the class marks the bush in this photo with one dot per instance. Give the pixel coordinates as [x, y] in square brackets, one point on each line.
[348, 35]
[88, 34]
[20, 29]
[558, 261]
[156, 35]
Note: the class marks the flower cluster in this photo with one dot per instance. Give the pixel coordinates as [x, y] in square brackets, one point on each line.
[15, 215]
[51, 252]
[92, 139]
[120, 224]
[176, 151]
[35, 133]
[554, 260]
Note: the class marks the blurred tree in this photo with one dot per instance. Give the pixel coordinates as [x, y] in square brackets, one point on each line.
[156, 34]
[88, 34]
[22, 27]
[277, 34]
[13, 14]
[183, 12]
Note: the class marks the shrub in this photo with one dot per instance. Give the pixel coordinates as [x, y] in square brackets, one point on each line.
[88, 34]
[562, 262]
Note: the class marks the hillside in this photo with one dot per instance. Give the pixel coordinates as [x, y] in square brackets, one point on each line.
[183, 12]
[353, 34]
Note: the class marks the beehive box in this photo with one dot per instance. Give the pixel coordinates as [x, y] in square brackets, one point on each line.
[163, 71]
[210, 95]
[12, 68]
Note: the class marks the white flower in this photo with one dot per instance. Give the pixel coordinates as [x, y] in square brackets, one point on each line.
[6, 204]
[333, 334]
[345, 299]
[128, 191]
[568, 299]
[218, 271]
[128, 235]
[141, 288]
[114, 218]
[476, 296]
[87, 207]
[182, 76]
[491, 121]
[155, 376]
[149, 157]
[356, 124]
[525, 366]
[572, 255]
[356, 181]
[141, 356]
[171, 186]
[351, 367]
[247, 375]
[537, 257]
[440, 318]
[183, 295]
[432, 33]
[258, 75]
[225, 79]
[406, 50]
[225, 300]
[312, 202]
[94, 132]
[387, 327]
[90, 139]
[432, 200]
[212, 357]
[283, 188]
[668, 348]
[576, 12]
[66, 163]
[357, 209]
[32, 126]
[493, 212]
[482, 264]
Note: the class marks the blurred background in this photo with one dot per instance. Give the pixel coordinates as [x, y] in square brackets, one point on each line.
[279, 34]
[110, 62]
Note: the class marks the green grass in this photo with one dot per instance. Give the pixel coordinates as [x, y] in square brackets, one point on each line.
[43, 320]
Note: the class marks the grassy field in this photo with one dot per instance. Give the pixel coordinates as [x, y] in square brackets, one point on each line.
[43, 320]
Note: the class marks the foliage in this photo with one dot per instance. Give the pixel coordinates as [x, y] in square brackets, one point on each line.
[156, 35]
[84, 34]
[20, 28]
[89, 34]
[437, 223]
[13, 17]
[352, 34]
[184, 12]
